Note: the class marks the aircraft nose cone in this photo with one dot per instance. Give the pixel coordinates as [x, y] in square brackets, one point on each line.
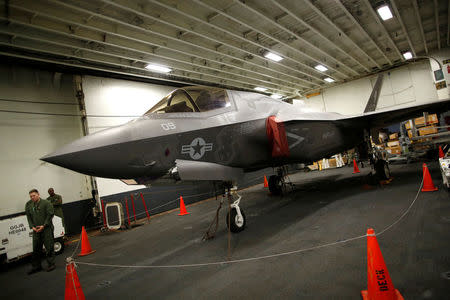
[98, 154]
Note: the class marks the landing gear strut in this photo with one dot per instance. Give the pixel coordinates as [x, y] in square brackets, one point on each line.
[235, 217]
[278, 183]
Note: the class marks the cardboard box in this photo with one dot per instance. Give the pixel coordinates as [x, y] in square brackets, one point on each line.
[332, 163]
[394, 150]
[393, 136]
[424, 131]
[393, 144]
[432, 119]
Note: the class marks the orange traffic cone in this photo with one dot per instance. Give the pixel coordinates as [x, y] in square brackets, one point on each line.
[441, 153]
[379, 283]
[266, 184]
[428, 185]
[355, 167]
[85, 245]
[183, 210]
[73, 287]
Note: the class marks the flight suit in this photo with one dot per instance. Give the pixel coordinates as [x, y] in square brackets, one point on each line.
[41, 213]
[56, 200]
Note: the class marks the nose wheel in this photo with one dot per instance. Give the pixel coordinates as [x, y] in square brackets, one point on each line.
[236, 217]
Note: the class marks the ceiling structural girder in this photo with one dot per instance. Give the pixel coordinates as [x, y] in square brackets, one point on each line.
[236, 47]
[125, 33]
[323, 37]
[174, 38]
[405, 31]
[419, 21]
[436, 13]
[383, 29]
[225, 42]
[362, 30]
[81, 46]
[281, 27]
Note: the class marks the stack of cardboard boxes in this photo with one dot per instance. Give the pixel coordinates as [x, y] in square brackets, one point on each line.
[423, 129]
[393, 145]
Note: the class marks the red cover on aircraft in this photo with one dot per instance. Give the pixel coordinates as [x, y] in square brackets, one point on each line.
[277, 137]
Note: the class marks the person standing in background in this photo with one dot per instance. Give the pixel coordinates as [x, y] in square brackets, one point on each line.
[56, 200]
[40, 214]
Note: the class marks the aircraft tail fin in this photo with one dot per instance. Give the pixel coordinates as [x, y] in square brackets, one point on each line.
[375, 95]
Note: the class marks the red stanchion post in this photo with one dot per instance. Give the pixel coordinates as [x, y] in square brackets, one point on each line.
[128, 213]
[132, 203]
[104, 214]
[145, 206]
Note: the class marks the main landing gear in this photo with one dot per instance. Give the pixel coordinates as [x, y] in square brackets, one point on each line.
[278, 183]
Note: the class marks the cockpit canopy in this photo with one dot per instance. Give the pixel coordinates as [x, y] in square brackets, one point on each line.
[192, 99]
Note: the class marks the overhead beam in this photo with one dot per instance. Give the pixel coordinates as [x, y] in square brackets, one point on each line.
[318, 33]
[436, 14]
[188, 29]
[402, 24]
[383, 29]
[82, 46]
[419, 21]
[240, 36]
[361, 29]
[100, 28]
[283, 28]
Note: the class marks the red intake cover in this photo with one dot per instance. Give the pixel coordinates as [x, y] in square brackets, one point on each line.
[277, 137]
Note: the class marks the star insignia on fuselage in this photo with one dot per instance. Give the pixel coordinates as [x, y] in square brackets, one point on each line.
[197, 148]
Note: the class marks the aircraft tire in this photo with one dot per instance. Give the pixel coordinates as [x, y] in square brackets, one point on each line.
[275, 187]
[382, 170]
[236, 226]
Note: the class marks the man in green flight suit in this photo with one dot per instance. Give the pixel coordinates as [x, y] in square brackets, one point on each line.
[56, 200]
[39, 214]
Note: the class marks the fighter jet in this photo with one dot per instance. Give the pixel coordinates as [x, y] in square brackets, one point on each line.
[209, 133]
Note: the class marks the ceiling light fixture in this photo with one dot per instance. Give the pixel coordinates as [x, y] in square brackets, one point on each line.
[158, 68]
[407, 55]
[260, 89]
[328, 79]
[321, 68]
[272, 56]
[276, 96]
[385, 12]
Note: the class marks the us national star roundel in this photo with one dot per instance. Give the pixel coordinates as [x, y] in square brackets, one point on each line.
[197, 148]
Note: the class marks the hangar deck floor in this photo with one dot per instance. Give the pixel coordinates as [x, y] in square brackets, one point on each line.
[326, 207]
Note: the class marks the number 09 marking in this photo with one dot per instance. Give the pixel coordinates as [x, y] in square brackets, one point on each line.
[168, 126]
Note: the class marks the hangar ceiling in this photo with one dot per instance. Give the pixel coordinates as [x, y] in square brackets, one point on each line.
[224, 42]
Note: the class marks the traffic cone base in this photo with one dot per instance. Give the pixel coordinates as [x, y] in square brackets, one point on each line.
[183, 210]
[365, 295]
[379, 283]
[428, 185]
[266, 184]
[73, 287]
[85, 245]
[355, 167]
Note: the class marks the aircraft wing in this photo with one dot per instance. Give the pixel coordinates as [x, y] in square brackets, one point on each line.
[385, 118]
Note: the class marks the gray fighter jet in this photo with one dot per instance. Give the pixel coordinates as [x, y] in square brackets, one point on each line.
[207, 133]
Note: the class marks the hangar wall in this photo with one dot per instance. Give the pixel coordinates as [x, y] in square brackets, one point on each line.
[123, 99]
[27, 137]
[404, 86]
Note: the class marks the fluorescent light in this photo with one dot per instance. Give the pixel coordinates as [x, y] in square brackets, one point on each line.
[384, 12]
[158, 68]
[272, 56]
[321, 68]
[276, 96]
[260, 89]
[328, 79]
[407, 55]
